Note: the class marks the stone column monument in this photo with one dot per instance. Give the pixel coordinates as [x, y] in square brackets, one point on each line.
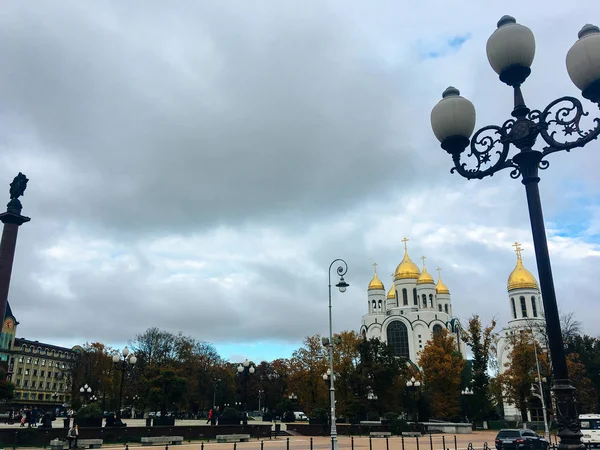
[12, 220]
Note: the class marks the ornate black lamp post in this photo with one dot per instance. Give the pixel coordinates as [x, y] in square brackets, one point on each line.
[123, 362]
[414, 386]
[86, 392]
[510, 51]
[341, 270]
[245, 369]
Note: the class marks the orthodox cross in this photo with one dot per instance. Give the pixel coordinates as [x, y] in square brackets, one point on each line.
[438, 271]
[423, 258]
[375, 268]
[518, 249]
[405, 240]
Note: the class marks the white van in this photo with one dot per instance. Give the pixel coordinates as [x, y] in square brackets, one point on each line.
[590, 428]
[299, 415]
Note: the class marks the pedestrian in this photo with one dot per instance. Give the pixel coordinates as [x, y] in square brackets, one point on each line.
[210, 415]
[72, 436]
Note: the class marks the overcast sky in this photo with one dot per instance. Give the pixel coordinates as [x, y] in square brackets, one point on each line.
[197, 165]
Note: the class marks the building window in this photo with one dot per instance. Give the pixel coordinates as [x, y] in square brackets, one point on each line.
[533, 306]
[18, 382]
[47, 385]
[28, 360]
[424, 297]
[523, 307]
[20, 359]
[437, 328]
[35, 372]
[446, 308]
[514, 308]
[43, 362]
[54, 386]
[26, 371]
[42, 373]
[440, 307]
[415, 297]
[397, 338]
[33, 384]
[19, 371]
[35, 361]
[431, 300]
[379, 308]
[404, 297]
[25, 383]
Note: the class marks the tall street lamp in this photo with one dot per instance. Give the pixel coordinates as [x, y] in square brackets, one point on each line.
[414, 386]
[85, 392]
[245, 369]
[122, 362]
[342, 285]
[216, 382]
[510, 51]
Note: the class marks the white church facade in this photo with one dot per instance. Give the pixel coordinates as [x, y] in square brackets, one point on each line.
[407, 315]
[527, 315]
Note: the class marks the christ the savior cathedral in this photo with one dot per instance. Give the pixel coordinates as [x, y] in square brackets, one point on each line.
[413, 309]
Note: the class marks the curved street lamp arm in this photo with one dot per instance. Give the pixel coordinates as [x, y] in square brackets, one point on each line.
[562, 117]
[482, 153]
[559, 125]
[341, 270]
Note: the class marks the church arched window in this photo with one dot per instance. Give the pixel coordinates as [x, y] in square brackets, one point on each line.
[431, 300]
[424, 301]
[397, 338]
[514, 307]
[379, 308]
[396, 295]
[374, 306]
[404, 297]
[440, 307]
[533, 306]
[437, 328]
[415, 297]
[446, 308]
[523, 307]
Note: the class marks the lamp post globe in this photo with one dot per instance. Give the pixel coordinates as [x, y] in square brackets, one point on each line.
[583, 62]
[453, 121]
[510, 51]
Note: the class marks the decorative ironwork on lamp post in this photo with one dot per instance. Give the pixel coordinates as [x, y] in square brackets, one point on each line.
[122, 362]
[510, 51]
[341, 270]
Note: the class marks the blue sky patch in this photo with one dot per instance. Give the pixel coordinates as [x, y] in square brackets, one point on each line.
[442, 47]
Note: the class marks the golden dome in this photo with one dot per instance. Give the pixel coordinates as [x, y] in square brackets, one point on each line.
[375, 283]
[440, 287]
[425, 277]
[521, 278]
[406, 269]
[392, 293]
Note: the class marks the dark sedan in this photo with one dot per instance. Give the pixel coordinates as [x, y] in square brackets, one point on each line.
[517, 439]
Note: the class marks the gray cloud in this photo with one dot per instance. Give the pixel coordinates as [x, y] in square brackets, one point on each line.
[198, 167]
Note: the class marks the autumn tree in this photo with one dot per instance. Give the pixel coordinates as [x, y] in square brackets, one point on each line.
[442, 366]
[585, 391]
[308, 364]
[587, 349]
[481, 342]
[521, 369]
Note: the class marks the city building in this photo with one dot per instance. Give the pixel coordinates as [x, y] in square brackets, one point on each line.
[39, 371]
[414, 307]
[527, 316]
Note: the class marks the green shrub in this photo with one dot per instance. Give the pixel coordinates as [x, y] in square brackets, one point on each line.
[230, 413]
[319, 413]
[91, 411]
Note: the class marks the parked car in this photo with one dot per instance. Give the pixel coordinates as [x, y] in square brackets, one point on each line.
[520, 439]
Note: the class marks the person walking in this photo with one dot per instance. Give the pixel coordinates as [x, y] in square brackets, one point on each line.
[72, 436]
[210, 415]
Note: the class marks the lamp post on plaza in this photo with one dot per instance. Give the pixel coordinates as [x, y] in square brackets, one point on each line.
[341, 270]
[85, 392]
[414, 386]
[245, 369]
[216, 382]
[510, 51]
[260, 394]
[122, 362]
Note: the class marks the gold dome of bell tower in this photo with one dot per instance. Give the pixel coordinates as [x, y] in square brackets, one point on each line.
[425, 277]
[520, 277]
[406, 269]
[376, 283]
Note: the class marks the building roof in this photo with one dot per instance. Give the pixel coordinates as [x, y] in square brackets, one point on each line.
[9, 313]
[20, 342]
